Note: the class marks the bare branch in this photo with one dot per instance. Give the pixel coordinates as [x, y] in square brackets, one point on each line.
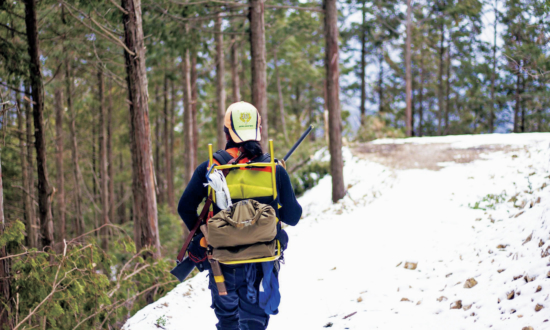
[119, 7]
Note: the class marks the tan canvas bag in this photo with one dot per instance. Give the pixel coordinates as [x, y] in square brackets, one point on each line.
[247, 222]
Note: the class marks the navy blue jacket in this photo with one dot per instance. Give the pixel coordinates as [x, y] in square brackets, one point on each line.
[196, 191]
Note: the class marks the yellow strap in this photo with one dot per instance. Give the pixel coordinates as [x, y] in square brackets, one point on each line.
[219, 279]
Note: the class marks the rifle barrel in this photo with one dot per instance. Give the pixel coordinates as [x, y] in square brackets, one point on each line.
[297, 144]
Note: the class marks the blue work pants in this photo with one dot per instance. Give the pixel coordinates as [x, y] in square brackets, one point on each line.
[235, 311]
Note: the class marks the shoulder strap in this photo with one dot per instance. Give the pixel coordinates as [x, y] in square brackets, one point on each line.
[265, 158]
[201, 217]
[223, 157]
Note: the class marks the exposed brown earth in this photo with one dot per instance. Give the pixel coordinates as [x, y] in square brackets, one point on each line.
[422, 156]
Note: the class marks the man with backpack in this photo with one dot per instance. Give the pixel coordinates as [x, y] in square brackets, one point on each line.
[261, 198]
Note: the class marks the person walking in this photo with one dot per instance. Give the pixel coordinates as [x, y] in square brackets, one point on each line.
[249, 300]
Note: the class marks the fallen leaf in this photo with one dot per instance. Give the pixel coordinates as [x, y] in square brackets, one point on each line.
[539, 288]
[399, 264]
[520, 213]
[405, 299]
[411, 265]
[442, 298]
[470, 283]
[359, 299]
[528, 239]
[457, 304]
[510, 295]
[520, 316]
[517, 277]
[527, 328]
[541, 243]
[512, 311]
[528, 278]
[328, 325]
[419, 302]
[501, 270]
[467, 307]
[448, 274]
[538, 307]
[502, 246]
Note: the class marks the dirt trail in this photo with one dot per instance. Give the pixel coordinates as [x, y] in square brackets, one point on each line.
[422, 156]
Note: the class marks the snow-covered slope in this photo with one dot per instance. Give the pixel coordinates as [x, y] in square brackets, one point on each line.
[348, 264]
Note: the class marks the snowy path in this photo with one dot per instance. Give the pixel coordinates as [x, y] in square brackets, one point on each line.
[342, 258]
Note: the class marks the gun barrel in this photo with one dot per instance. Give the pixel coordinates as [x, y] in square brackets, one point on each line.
[297, 144]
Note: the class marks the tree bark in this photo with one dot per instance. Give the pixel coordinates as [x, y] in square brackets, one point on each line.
[493, 75]
[518, 99]
[441, 102]
[187, 117]
[158, 149]
[381, 80]
[448, 90]
[122, 191]
[110, 160]
[145, 202]
[280, 95]
[60, 194]
[5, 290]
[333, 99]
[24, 169]
[103, 170]
[78, 221]
[258, 58]
[194, 110]
[235, 69]
[31, 225]
[173, 110]
[408, 75]
[421, 96]
[363, 63]
[220, 82]
[167, 152]
[44, 188]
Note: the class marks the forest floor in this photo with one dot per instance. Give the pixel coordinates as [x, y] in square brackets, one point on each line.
[434, 233]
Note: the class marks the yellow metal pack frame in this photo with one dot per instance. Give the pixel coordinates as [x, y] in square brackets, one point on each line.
[273, 166]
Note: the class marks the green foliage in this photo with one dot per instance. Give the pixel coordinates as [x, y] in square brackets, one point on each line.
[375, 127]
[308, 176]
[13, 233]
[83, 286]
[489, 202]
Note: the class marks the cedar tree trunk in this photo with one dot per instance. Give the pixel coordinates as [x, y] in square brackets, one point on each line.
[333, 99]
[44, 188]
[258, 59]
[220, 82]
[143, 183]
[60, 195]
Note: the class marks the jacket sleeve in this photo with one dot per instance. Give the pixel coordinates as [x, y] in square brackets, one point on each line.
[290, 211]
[193, 195]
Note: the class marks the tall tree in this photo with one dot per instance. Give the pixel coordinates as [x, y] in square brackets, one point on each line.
[103, 170]
[220, 81]
[363, 61]
[236, 91]
[145, 202]
[110, 160]
[187, 115]
[44, 188]
[78, 219]
[30, 226]
[258, 58]
[280, 95]
[408, 75]
[167, 151]
[333, 99]
[5, 290]
[60, 175]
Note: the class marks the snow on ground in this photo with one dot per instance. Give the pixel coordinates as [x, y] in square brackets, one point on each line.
[488, 220]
